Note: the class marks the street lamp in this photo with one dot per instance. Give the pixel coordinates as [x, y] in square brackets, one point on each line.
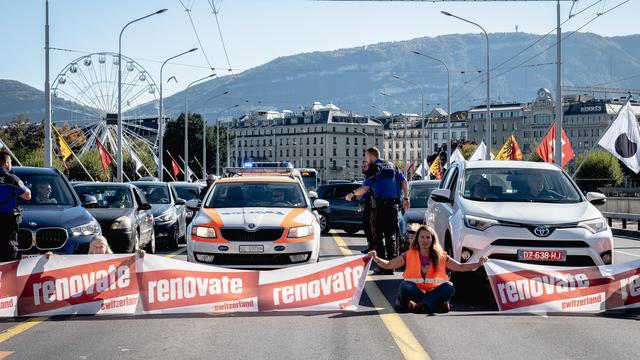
[406, 149]
[186, 126]
[489, 129]
[421, 109]
[448, 97]
[120, 160]
[161, 127]
[384, 112]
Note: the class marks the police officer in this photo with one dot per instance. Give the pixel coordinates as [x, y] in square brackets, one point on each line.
[210, 180]
[10, 188]
[385, 188]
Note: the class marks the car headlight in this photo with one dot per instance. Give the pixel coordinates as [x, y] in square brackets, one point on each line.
[300, 231]
[203, 232]
[123, 222]
[595, 225]
[479, 223]
[166, 217]
[90, 228]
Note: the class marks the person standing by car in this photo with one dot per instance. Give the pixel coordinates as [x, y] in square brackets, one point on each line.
[426, 287]
[11, 187]
[365, 201]
[210, 180]
[385, 188]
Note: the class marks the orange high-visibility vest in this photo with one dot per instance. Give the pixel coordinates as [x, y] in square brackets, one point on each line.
[434, 277]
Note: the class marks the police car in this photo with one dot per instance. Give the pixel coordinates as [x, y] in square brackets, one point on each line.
[258, 218]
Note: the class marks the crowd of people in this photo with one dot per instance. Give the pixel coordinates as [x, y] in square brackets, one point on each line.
[425, 287]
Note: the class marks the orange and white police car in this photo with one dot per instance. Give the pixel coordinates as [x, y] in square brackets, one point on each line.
[256, 219]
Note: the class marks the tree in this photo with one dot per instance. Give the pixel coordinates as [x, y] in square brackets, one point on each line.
[533, 156]
[174, 143]
[600, 169]
[468, 149]
[22, 136]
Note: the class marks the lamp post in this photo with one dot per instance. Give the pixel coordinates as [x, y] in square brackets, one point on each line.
[489, 128]
[384, 112]
[406, 149]
[421, 110]
[161, 110]
[120, 160]
[186, 126]
[448, 97]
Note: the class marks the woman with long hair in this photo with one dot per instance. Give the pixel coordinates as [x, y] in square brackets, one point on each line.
[426, 287]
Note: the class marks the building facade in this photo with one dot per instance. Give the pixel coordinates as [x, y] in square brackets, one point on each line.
[506, 119]
[325, 138]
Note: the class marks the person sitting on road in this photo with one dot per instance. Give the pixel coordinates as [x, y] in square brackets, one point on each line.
[43, 193]
[426, 287]
[99, 246]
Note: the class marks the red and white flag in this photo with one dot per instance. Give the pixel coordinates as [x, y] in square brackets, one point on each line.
[546, 149]
[105, 157]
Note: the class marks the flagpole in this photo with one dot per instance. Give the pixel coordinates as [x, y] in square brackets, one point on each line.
[173, 178]
[198, 162]
[597, 142]
[134, 147]
[72, 153]
[186, 167]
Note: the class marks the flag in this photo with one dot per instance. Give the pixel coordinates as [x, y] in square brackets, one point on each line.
[422, 168]
[436, 168]
[480, 153]
[410, 168]
[622, 138]
[136, 160]
[105, 158]
[510, 150]
[63, 148]
[456, 156]
[176, 168]
[546, 148]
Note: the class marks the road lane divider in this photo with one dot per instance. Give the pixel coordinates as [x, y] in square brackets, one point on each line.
[408, 344]
[175, 253]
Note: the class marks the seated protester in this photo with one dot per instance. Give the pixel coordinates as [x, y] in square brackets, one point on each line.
[99, 246]
[426, 287]
[43, 193]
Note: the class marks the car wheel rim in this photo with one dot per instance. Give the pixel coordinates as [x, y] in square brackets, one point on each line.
[323, 222]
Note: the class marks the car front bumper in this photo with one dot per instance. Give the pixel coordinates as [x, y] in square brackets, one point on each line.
[582, 247]
[165, 232]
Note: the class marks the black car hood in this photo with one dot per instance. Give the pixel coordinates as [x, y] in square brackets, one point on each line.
[54, 216]
[159, 209]
[109, 214]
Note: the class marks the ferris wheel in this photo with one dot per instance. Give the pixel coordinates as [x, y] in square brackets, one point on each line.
[85, 94]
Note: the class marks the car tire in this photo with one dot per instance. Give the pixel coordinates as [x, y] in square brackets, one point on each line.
[325, 225]
[150, 247]
[136, 242]
[173, 245]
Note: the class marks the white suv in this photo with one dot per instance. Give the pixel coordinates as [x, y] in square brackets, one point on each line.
[519, 211]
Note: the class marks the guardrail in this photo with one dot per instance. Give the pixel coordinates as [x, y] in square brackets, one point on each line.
[625, 218]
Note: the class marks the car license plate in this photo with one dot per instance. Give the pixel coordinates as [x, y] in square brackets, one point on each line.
[542, 255]
[251, 248]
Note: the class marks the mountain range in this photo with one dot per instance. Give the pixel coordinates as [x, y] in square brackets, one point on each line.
[353, 78]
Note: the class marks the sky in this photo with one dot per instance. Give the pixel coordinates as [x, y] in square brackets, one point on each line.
[257, 31]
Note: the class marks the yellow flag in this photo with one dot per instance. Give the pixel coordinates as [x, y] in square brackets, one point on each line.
[510, 150]
[436, 168]
[65, 150]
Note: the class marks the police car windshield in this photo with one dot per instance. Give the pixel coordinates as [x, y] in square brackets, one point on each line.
[46, 190]
[519, 185]
[256, 194]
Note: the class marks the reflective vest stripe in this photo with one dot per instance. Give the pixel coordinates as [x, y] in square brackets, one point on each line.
[425, 281]
[434, 276]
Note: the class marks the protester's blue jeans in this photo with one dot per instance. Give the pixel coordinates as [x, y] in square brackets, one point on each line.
[430, 300]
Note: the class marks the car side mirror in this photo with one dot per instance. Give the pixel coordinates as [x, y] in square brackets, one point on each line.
[313, 195]
[193, 204]
[441, 196]
[89, 201]
[319, 204]
[596, 198]
[180, 202]
[144, 207]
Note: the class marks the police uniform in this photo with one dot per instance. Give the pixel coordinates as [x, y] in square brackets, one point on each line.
[385, 199]
[10, 188]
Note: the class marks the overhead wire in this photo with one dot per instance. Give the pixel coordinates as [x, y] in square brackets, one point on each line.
[195, 31]
[224, 46]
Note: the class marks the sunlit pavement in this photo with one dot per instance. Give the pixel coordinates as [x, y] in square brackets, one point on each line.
[375, 331]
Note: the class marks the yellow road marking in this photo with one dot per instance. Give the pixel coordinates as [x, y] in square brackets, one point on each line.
[174, 253]
[20, 328]
[409, 346]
